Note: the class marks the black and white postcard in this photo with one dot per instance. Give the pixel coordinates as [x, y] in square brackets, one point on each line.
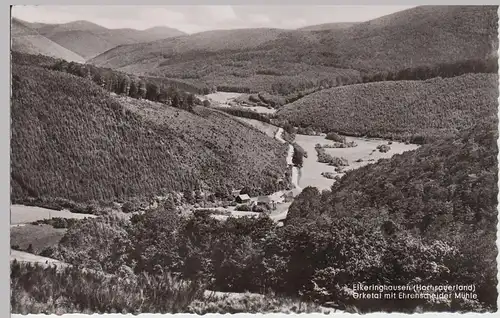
[253, 159]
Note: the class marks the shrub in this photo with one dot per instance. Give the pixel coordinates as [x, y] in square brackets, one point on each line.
[258, 208]
[328, 175]
[335, 137]
[383, 148]
[243, 207]
[95, 292]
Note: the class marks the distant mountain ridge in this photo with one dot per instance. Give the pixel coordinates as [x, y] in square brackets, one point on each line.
[329, 26]
[282, 61]
[28, 40]
[89, 39]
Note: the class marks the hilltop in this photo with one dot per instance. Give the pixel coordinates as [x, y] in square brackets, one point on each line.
[286, 61]
[418, 36]
[89, 145]
[27, 40]
[329, 26]
[417, 111]
[89, 39]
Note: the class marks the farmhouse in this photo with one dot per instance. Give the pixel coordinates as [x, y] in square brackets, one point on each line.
[242, 198]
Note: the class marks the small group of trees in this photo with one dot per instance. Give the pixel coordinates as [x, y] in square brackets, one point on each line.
[245, 113]
[324, 157]
[130, 85]
[298, 155]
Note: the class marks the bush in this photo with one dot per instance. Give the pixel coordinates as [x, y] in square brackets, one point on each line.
[243, 207]
[324, 157]
[335, 137]
[298, 156]
[258, 208]
[131, 206]
[94, 292]
[328, 175]
[383, 148]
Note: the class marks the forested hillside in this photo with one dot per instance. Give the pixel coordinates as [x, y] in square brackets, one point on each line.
[286, 61]
[446, 191]
[417, 111]
[424, 217]
[70, 139]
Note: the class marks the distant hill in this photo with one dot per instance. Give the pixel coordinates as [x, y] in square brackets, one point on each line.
[284, 61]
[329, 26]
[409, 110]
[71, 139]
[196, 44]
[27, 40]
[89, 39]
[417, 36]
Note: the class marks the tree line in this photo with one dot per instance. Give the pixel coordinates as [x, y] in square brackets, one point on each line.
[424, 72]
[129, 85]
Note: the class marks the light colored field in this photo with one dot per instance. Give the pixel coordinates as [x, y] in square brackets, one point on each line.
[26, 214]
[222, 97]
[310, 174]
[364, 151]
[262, 110]
[32, 258]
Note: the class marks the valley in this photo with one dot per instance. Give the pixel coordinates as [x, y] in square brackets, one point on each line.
[254, 170]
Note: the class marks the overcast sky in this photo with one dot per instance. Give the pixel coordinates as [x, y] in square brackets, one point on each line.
[199, 18]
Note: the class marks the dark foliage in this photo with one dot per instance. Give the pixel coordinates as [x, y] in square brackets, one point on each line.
[418, 43]
[414, 111]
[71, 290]
[245, 113]
[444, 192]
[298, 155]
[58, 223]
[443, 70]
[71, 139]
[335, 137]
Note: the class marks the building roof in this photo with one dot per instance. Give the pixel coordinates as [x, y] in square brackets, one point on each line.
[244, 197]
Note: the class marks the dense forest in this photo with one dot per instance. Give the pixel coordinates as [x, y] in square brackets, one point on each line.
[127, 129]
[171, 91]
[424, 217]
[71, 139]
[419, 43]
[415, 111]
[445, 192]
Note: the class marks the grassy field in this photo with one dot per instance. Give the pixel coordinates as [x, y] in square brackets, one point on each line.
[26, 214]
[310, 173]
[39, 236]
